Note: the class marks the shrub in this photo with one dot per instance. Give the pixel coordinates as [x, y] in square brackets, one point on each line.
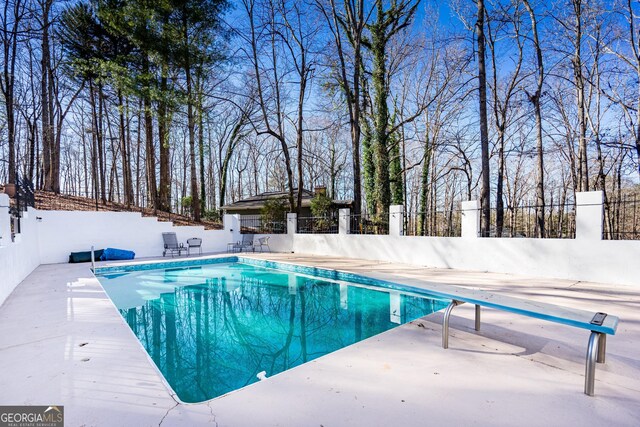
[211, 215]
[186, 203]
[273, 213]
[320, 205]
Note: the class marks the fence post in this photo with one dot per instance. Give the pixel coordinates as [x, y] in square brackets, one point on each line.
[5, 225]
[396, 218]
[344, 223]
[292, 223]
[589, 215]
[471, 219]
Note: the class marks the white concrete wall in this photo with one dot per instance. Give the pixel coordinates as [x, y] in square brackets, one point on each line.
[278, 242]
[17, 259]
[597, 261]
[587, 257]
[62, 232]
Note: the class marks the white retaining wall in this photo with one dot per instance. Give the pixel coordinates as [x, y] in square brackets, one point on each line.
[62, 232]
[19, 258]
[587, 257]
[596, 261]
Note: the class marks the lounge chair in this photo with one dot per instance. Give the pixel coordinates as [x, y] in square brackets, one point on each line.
[245, 244]
[263, 242]
[171, 244]
[194, 242]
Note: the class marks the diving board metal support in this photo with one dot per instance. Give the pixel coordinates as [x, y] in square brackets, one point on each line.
[596, 348]
[595, 353]
[93, 260]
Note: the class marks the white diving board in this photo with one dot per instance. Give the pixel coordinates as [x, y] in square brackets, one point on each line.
[600, 324]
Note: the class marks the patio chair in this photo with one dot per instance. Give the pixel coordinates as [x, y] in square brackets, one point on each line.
[171, 244]
[245, 244]
[194, 242]
[263, 242]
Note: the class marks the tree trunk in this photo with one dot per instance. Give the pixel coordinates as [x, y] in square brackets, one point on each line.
[101, 148]
[485, 191]
[382, 191]
[234, 139]
[424, 186]
[152, 190]
[32, 152]
[126, 158]
[47, 131]
[299, 130]
[500, 185]
[535, 100]
[94, 143]
[395, 172]
[583, 165]
[191, 123]
[11, 126]
[368, 164]
[9, 41]
[354, 25]
[203, 194]
[138, 185]
[164, 190]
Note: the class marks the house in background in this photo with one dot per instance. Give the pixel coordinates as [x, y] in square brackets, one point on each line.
[253, 205]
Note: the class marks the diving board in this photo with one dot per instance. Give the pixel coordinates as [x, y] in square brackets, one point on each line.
[600, 324]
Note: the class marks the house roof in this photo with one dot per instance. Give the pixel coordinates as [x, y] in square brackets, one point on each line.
[257, 201]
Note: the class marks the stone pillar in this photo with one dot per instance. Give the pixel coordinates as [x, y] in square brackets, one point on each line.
[589, 215]
[292, 223]
[232, 226]
[5, 225]
[471, 219]
[344, 223]
[396, 219]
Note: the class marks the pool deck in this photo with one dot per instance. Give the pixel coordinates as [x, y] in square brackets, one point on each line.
[63, 342]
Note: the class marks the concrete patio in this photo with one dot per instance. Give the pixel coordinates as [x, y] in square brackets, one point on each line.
[63, 342]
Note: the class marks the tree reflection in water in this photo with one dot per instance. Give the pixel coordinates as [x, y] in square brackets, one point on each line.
[215, 336]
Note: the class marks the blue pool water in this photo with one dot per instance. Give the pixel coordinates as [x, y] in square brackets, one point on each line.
[212, 328]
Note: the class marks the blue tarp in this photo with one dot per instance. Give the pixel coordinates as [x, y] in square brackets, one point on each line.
[111, 254]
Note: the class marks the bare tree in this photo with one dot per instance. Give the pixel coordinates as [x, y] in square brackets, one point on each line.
[535, 99]
[579, 81]
[485, 191]
[625, 47]
[352, 22]
[269, 79]
[13, 13]
[298, 37]
[502, 102]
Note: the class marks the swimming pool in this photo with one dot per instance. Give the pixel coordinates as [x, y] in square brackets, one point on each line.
[212, 326]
